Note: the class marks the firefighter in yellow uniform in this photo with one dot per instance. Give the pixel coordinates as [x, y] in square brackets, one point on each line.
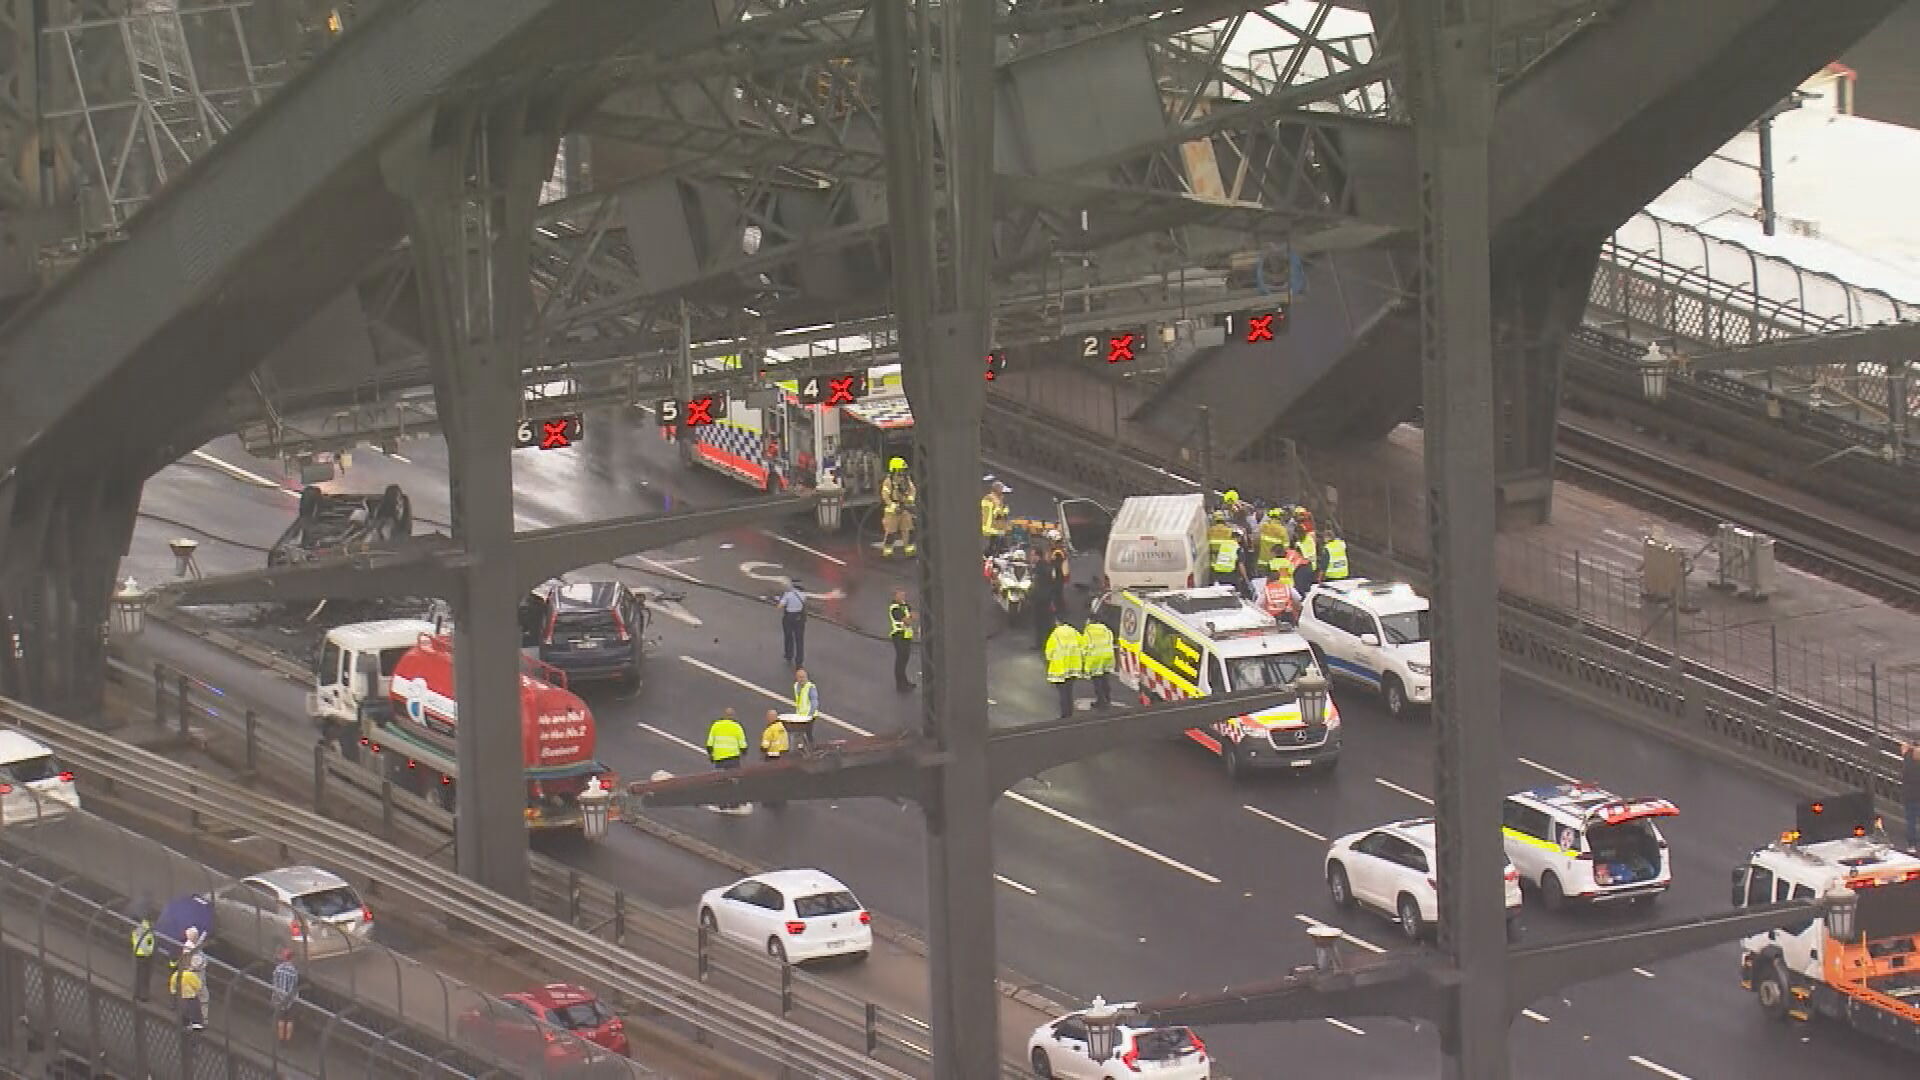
[898, 500]
[996, 520]
[1096, 660]
[1064, 663]
[1273, 536]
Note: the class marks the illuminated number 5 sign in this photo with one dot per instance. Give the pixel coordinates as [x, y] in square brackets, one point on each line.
[668, 411]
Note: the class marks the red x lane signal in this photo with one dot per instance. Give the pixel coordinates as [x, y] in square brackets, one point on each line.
[1260, 328]
[841, 390]
[1120, 349]
[700, 411]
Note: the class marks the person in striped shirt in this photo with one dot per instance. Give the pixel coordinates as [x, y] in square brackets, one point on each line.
[286, 991]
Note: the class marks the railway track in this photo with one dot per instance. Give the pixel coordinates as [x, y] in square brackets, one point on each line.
[1837, 552]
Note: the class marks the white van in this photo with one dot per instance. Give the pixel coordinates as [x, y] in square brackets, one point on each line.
[33, 784]
[1158, 542]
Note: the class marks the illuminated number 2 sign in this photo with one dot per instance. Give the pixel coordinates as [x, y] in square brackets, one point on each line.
[1115, 348]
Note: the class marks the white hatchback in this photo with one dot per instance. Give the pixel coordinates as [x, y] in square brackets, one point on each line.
[1394, 869]
[1073, 1049]
[794, 915]
[33, 784]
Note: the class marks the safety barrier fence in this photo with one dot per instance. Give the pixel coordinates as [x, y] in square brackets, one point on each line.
[1383, 507]
[484, 920]
[1571, 620]
[350, 782]
[359, 1000]
[67, 989]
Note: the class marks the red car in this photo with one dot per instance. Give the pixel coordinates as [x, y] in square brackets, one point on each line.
[573, 1010]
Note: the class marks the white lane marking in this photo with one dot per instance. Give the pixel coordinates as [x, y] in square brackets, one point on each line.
[1408, 792]
[670, 737]
[1548, 769]
[1137, 849]
[1012, 884]
[402, 459]
[1643, 973]
[1011, 795]
[1654, 1067]
[1536, 1017]
[1343, 1026]
[1367, 945]
[789, 541]
[768, 694]
[243, 474]
[1283, 822]
[663, 568]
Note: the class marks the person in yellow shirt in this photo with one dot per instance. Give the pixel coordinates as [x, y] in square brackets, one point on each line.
[774, 746]
[1064, 662]
[184, 986]
[995, 518]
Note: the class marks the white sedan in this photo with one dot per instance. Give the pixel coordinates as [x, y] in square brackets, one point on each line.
[1066, 1048]
[1392, 869]
[794, 915]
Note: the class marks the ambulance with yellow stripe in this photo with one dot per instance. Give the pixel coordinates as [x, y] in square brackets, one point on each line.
[800, 439]
[1186, 643]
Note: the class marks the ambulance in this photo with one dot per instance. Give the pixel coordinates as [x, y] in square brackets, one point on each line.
[792, 444]
[1186, 643]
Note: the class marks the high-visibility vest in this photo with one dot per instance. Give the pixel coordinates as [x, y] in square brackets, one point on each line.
[1063, 654]
[897, 623]
[1279, 597]
[774, 739]
[1226, 556]
[994, 516]
[1096, 648]
[1336, 559]
[184, 983]
[726, 740]
[806, 698]
[1309, 547]
[142, 939]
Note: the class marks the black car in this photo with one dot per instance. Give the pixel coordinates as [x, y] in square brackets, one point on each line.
[591, 630]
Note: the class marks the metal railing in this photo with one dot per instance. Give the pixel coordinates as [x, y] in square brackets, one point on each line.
[258, 740]
[1799, 717]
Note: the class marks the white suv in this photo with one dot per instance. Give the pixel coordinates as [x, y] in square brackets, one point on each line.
[1580, 842]
[1373, 632]
[1393, 869]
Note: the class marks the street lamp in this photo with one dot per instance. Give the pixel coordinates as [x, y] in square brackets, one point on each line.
[1326, 946]
[129, 609]
[184, 564]
[1102, 1022]
[1311, 690]
[1653, 372]
[595, 803]
[1843, 910]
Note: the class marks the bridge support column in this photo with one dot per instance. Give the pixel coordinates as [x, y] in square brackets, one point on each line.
[472, 179]
[1449, 60]
[941, 293]
[1535, 309]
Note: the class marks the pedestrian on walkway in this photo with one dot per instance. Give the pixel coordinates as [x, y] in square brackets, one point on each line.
[193, 957]
[900, 622]
[1910, 791]
[286, 992]
[806, 706]
[726, 744]
[1063, 663]
[184, 987]
[142, 940]
[793, 624]
[1096, 659]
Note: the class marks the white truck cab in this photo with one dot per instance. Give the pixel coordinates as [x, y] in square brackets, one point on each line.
[1184, 643]
[354, 670]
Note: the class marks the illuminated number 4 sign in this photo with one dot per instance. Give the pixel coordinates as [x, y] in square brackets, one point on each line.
[549, 433]
[834, 389]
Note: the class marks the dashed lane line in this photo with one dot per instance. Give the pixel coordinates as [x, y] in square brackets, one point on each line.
[1016, 886]
[1408, 792]
[1088, 827]
[1343, 1026]
[1013, 797]
[248, 475]
[1536, 1017]
[1657, 1068]
[768, 694]
[1643, 973]
[662, 568]
[670, 737]
[816, 552]
[1548, 769]
[1349, 938]
[1283, 822]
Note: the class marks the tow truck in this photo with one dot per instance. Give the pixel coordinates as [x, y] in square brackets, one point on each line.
[1860, 965]
[802, 439]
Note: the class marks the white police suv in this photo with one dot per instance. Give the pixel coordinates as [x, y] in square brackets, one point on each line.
[1373, 632]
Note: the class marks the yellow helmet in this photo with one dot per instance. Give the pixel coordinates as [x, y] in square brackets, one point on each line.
[897, 465]
[1275, 514]
[1231, 496]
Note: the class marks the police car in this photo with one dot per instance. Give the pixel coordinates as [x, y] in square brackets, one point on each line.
[1184, 643]
[1580, 842]
[1376, 633]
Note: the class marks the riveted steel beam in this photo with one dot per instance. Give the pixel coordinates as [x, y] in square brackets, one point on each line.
[1021, 753]
[1538, 970]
